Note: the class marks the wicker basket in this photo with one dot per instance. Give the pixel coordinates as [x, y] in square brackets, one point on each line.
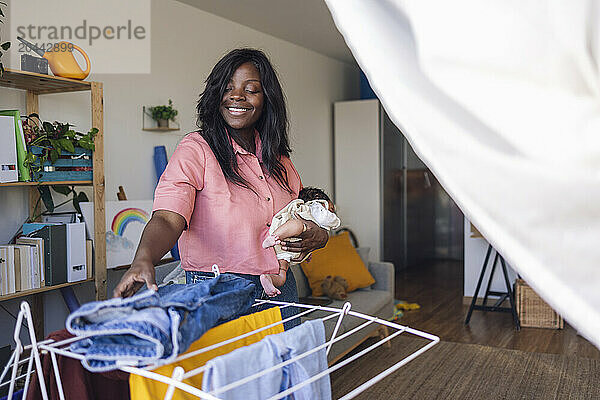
[533, 311]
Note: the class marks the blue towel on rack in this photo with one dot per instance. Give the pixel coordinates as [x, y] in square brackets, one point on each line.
[269, 352]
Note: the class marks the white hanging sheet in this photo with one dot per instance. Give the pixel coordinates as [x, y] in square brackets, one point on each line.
[501, 100]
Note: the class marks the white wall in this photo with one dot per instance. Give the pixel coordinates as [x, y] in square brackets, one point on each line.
[475, 250]
[186, 43]
[357, 170]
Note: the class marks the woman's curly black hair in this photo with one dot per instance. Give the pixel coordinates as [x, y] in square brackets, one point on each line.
[272, 124]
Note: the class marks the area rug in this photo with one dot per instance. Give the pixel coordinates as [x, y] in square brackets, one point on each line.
[469, 371]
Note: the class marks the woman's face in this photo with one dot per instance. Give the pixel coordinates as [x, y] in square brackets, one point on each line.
[242, 102]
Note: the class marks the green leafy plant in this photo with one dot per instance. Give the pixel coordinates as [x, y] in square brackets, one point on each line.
[73, 197]
[53, 138]
[163, 112]
[6, 45]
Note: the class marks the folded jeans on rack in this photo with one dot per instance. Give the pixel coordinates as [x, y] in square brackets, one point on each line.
[269, 352]
[154, 327]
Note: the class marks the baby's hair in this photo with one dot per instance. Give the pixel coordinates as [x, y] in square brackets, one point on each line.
[313, 193]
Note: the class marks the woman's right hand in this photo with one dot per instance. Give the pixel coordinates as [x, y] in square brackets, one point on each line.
[141, 272]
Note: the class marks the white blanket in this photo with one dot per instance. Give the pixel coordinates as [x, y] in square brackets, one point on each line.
[501, 99]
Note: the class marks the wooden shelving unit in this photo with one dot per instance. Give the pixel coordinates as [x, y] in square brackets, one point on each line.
[39, 84]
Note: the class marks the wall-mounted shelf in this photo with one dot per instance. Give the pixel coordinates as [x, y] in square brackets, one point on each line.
[145, 115]
[49, 183]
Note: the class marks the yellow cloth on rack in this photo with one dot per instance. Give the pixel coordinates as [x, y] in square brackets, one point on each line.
[141, 388]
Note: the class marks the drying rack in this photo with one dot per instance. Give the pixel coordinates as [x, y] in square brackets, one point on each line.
[179, 374]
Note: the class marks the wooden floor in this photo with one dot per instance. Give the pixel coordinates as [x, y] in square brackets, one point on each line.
[438, 288]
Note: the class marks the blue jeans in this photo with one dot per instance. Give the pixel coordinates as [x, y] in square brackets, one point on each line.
[289, 293]
[156, 326]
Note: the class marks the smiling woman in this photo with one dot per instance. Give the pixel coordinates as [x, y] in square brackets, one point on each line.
[225, 182]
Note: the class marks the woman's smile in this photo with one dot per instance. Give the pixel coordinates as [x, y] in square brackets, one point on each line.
[235, 111]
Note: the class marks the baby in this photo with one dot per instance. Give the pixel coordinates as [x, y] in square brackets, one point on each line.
[312, 205]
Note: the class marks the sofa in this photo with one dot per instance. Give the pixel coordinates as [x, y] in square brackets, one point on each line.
[376, 300]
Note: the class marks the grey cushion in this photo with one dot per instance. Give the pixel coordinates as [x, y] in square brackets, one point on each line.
[377, 303]
[367, 302]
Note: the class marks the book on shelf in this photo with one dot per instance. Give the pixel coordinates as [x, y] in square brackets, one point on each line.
[8, 150]
[89, 252]
[9, 270]
[20, 258]
[55, 253]
[20, 145]
[3, 269]
[37, 245]
[26, 267]
[36, 277]
[12, 269]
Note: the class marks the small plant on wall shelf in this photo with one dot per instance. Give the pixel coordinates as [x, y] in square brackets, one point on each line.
[46, 141]
[6, 45]
[162, 114]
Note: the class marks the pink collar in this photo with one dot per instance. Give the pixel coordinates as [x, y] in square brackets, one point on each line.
[239, 149]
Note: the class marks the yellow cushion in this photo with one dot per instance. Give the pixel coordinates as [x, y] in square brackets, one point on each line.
[338, 257]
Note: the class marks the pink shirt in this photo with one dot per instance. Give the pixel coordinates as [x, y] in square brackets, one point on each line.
[226, 223]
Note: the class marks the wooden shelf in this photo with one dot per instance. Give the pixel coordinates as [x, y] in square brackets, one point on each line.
[41, 290]
[40, 83]
[49, 183]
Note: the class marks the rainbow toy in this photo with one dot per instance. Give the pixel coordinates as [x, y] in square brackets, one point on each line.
[126, 216]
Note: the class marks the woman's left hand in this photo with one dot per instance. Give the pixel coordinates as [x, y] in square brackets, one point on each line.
[313, 238]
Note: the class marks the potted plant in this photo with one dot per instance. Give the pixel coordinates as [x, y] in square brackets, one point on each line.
[47, 141]
[6, 45]
[162, 114]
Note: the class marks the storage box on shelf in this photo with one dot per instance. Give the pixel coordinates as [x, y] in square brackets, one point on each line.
[75, 166]
[39, 84]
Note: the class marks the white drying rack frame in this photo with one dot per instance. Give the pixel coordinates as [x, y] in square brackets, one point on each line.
[179, 374]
